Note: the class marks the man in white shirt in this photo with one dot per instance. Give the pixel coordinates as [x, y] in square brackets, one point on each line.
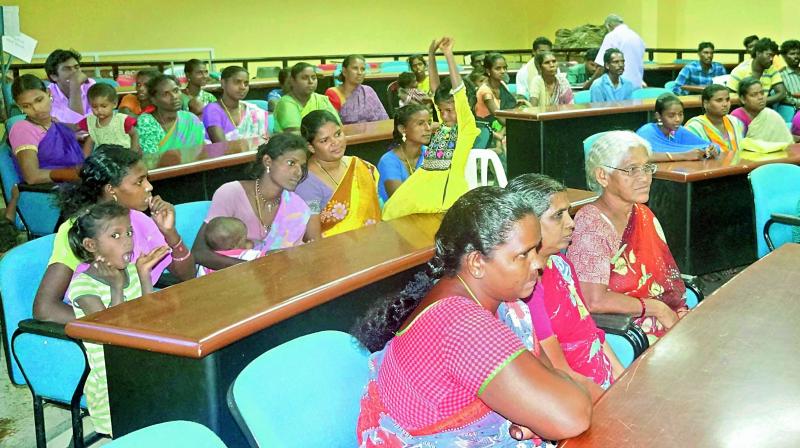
[529, 70]
[632, 46]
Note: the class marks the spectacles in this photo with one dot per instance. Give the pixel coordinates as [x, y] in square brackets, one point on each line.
[634, 171]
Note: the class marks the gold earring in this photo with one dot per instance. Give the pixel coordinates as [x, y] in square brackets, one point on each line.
[404, 138]
[113, 195]
[267, 169]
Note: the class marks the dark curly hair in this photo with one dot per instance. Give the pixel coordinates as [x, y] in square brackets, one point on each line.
[58, 57]
[88, 224]
[481, 220]
[277, 146]
[153, 83]
[107, 165]
[315, 120]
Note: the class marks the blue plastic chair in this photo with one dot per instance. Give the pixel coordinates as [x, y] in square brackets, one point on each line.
[175, 434]
[394, 67]
[786, 111]
[669, 86]
[583, 97]
[39, 354]
[776, 189]
[261, 104]
[648, 93]
[271, 124]
[37, 212]
[189, 216]
[303, 393]
[588, 142]
[622, 348]
[108, 81]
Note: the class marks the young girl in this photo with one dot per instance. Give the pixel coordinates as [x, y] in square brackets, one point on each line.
[135, 104]
[103, 125]
[103, 236]
[670, 140]
[440, 181]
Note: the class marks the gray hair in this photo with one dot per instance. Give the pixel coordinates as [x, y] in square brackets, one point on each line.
[610, 149]
[613, 20]
[536, 190]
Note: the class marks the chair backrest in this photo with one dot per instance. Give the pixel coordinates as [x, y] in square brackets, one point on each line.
[108, 81]
[583, 97]
[175, 434]
[189, 217]
[588, 142]
[485, 156]
[670, 85]
[776, 189]
[786, 111]
[21, 271]
[261, 104]
[394, 67]
[648, 92]
[303, 393]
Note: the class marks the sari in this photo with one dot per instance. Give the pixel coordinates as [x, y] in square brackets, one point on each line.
[475, 425]
[680, 140]
[56, 148]
[570, 321]
[187, 131]
[363, 105]
[562, 94]
[252, 121]
[767, 126]
[638, 263]
[731, 140]
[435, 186]
[353, 205]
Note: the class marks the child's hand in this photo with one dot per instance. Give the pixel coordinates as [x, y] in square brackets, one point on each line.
[446, 45]
[434, 46]
[115, 277]
[163, 213]
[145, 262]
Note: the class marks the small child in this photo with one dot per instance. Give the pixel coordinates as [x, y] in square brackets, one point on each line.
[275, 95]
[103, 237]
[408, 92]
[105, 127]
[228, 236]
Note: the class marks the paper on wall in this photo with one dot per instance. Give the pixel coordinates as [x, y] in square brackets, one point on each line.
[11, 21]
[21, 46]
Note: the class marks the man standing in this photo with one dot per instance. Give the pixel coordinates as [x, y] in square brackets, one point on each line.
[699, 73]
[612, 86]
[68, 86]
[621, 37]
[529, 70]
[761, 68]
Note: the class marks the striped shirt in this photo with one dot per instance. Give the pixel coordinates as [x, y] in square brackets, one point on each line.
[692, 74]
[769, 78]
[96, 387]
[791, 79]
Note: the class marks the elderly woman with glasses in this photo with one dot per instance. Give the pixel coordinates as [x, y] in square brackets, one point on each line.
[621, 258]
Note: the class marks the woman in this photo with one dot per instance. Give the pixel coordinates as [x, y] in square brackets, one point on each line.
[111, 173]
[623, 263]
[135, 104]
[716, 126]
[411, 134]
[549, 87]
[668, 139]
[300, 100]
[230, 118]
[275, 216]
[440, 181]
[761, 123]
[456, 362]
[566, 331]
[417, 65]
[355, 102]
[167, 127]
[44, 150]
[340, 190]
[493, 95]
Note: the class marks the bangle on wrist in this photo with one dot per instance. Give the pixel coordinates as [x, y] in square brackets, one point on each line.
[669, 155]
[644, 308]
[183, 258]
[174, 246]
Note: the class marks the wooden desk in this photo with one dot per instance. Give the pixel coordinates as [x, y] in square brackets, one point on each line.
[549, 140]
[656, 75]
[183, 346]
[193, 174]
[706, 209]
[726, 375]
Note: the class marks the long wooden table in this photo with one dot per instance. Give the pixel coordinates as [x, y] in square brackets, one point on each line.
[193, 174]
[173, 355]
[726, 375]
[706, 208]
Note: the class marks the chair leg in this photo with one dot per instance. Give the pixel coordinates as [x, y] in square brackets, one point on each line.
[38, 422]
[77, 426]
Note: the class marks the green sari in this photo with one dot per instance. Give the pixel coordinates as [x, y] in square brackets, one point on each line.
[289, 112]
[187, 131]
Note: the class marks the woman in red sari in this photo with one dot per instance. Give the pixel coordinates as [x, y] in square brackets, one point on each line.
[564, 327]
[618, 248]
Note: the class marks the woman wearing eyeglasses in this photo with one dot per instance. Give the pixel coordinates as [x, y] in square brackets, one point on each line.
[618, 249]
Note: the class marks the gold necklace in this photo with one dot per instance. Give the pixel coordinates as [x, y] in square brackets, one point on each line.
[230, 117]
[405, 158]
[326, 171]
[469, 290]
[269, 204]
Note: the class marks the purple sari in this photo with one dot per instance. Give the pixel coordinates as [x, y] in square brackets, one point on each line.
[363, 105]
[57, 149]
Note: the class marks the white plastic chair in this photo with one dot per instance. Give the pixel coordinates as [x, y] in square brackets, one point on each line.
[484, 155]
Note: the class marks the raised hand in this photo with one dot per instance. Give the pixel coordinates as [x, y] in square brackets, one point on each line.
[446, 44]
[146, 262]
[163, 213]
